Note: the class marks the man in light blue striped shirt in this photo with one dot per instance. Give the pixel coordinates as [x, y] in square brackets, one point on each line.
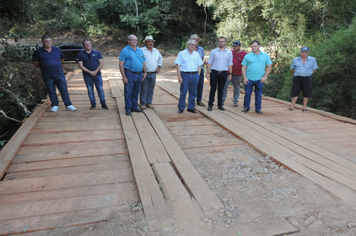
[189, 65]
[302, 67]
[220, 61]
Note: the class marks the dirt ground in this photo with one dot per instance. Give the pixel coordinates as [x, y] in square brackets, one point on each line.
[255, 191]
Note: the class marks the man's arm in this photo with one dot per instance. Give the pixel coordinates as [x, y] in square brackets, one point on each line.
[269, 68]
[180, 80]
[244, 74]
[62, 60]
[199, 70]
[208, 71]
[292, 70]
[36, 63]
[144, 71]
[314, 72]
[122, 71]
[230, 75]
[160, 60]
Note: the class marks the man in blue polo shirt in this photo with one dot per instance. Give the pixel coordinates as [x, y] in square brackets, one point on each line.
[254, 74]
[302, 67]
[50, 60]
[90, 62]
[189, 65]
[132, 63]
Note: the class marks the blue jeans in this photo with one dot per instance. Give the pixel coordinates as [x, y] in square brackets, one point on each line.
[147, 87]
[258, 94]
[132, 89]
[190, 82]
[61, 83]
[236, 81]
[98, 81]
[200, 86]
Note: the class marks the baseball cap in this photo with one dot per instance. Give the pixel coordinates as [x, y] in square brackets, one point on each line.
[236, 43]
[304, 49]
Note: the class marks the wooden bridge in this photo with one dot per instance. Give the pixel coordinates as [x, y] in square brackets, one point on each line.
[60, 164]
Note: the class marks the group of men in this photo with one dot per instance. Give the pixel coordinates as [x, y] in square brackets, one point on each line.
[139, 67]
[225, 66]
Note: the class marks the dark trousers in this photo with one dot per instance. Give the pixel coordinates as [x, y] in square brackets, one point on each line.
[217, 80]
[200, 86]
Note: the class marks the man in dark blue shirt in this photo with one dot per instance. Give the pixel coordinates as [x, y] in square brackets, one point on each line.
[91, 62]
[50, 59]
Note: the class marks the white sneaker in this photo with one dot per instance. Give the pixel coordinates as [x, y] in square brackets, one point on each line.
[71, 108]
[54, 109]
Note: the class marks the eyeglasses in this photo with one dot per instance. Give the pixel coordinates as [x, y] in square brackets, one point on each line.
[221, 41]
[133, 39]
[192, 44]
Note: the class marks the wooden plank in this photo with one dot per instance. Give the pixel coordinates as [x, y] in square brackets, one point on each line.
[113, 166]
[20, 210]
[53, 221]
[279, 153]
[116, 93]
[152, 145]
[67, 181]
[301, 147]
[194, 182]
[10, 150]
[86, 149]
[151, 197]
[60, 126]
[323, 113]
[54, 194]
[53, 137]
[175, 193]
[41, 165]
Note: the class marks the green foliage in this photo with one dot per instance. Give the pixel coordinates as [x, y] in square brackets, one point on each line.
[334, 84]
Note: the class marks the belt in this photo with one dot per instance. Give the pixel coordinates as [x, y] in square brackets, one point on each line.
[134, 72]
[153, 72]
[189, 72]
[220, 71]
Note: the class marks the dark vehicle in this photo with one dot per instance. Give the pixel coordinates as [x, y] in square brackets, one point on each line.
[71, 51]
[24, 51]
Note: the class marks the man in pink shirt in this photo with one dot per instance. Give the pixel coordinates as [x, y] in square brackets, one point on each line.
[238, 55]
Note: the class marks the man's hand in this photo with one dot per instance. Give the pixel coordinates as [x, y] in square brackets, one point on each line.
[246, 81]
[144, 76]
[230, 77]
[208, 75]
[93, 73]
[158, 69]
[263, 79]
[125, 80]
[180, 80]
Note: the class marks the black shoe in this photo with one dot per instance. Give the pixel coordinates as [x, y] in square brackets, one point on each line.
[210, 108]
[104, 106]
[259, 112]
[128, 113]
[192, 110]
[180, 111]
[245, 110]
[92, 107]
[136, 110]
[221, 108]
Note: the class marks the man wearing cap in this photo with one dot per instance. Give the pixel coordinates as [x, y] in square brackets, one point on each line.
[255, 74]
[220, 62]
[90, 62]
[132, 62]
[153, 65]
[303, 68]
[189, 65]
[199, 50]
[237, 55]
